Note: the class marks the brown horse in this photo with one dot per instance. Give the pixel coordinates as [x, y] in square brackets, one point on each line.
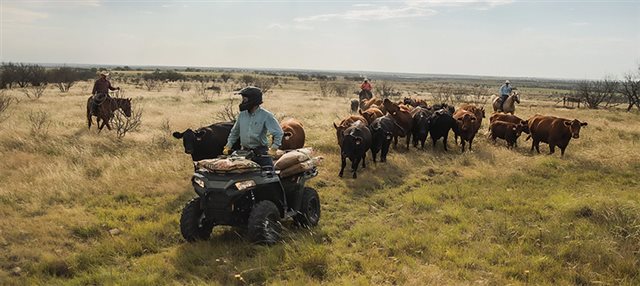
[106, 109]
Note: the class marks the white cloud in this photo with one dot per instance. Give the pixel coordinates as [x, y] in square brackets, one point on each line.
[278, 26]
[19, 15]
[408, 9]
[457, 3]
[372, 14]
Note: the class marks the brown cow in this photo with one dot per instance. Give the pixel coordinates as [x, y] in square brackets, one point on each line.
[402, 116]
[509, 118]
[415, 102]
[506, 130]
[293, 134]
[366, 103]
[345, 123]
[467, 126]
[554, 131]
[371, 114]
[478, 111]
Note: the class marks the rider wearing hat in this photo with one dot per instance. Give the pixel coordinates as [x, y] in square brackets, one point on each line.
[505, 91]
[100, 91]
[251, 128]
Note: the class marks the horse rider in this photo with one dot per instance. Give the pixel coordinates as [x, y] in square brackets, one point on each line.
[100, 91]
[366, 87]
[251, 128]
[505, 91]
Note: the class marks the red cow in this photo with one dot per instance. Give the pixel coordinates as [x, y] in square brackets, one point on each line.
[554, 131]
[293, 134]
[506, 130]
[467, 126]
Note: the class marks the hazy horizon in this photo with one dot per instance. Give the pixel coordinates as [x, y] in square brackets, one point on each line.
[555, 40]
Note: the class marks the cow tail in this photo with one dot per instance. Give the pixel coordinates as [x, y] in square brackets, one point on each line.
[528, 137]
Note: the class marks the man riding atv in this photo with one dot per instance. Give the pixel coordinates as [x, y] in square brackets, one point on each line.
[251, 128]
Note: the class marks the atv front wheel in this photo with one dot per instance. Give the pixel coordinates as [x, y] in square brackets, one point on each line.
[193, 225]
[310, 209]
[264, 223]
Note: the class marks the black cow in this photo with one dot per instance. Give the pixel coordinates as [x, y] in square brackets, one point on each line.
[356, 141]
[383, 129]
[420, 126]
[439, 125]
[448, 108]
[206, 142]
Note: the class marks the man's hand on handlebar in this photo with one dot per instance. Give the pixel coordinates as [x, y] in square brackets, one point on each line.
[226, 150]
[272, 152]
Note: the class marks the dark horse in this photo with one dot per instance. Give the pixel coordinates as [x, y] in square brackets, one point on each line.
[106, 109]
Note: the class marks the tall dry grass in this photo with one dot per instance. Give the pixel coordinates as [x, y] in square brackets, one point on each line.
[493, 216]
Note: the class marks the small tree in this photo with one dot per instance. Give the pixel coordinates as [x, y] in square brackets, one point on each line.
[185, 86]
[226, 77]
[387, 89]
[229, 110]
[66, 77]
[630, 88]
[341, 88]
[247, 79]
[596, 92]
[152, 84]
[5, 103]
[39, 122]
[123, 124]
[265, 84]
[34, 92]
[202, 90]
[325, 88]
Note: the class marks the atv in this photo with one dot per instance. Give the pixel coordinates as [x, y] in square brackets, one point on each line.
[256, 200]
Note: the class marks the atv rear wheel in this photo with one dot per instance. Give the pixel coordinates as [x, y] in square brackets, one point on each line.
[310, 209]
[264, 223]
[193, 225]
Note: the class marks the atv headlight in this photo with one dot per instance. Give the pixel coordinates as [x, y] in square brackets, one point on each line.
[198, 182]
[245, 185]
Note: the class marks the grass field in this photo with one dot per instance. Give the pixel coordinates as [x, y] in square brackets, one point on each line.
[492, 216]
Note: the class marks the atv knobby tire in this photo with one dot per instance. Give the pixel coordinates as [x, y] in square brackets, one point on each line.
[310, 209]
[264, 223]
[192, 225]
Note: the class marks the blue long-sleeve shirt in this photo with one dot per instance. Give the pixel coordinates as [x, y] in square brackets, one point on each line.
[505, 90]
[251, 129]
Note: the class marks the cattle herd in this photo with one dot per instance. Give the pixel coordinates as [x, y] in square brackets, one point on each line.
[381, 122]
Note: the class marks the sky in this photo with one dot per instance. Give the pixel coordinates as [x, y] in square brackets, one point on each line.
[549, 39]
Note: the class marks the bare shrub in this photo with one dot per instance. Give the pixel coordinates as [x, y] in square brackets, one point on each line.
[340, 88]
[265, 84]
[152, 84]
[5, 102]
[596, 92]
[163, 140]
[387, 89]
[325, 88]
[202, 90]
[34, 92]
[630, 88]
[229, 110]
[479, 94]
[444, 93]
[123, 124]
[247, 79]
[226, 77]
[185, 86]
[39, 122]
